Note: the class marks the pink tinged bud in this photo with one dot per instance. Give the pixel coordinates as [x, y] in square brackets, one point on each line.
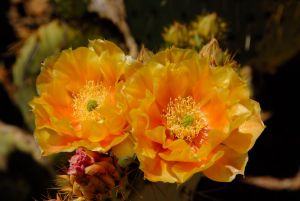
[79, 162]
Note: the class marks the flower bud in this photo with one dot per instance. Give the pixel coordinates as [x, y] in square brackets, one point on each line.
[90, 176]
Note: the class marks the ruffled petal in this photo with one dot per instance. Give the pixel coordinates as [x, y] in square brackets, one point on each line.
[184, 171]
[228, 166]
[106, 47]
[74, 68]
[46, 74]
[157, 134]
[155, 169]
[242, 139]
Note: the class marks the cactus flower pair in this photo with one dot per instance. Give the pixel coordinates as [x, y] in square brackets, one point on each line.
[175, 110]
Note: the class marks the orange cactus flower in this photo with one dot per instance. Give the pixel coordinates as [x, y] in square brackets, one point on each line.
[78, 102]
[188, 116]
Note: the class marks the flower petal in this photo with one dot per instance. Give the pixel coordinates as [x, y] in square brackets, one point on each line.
[184, 171]
[81, 64]
[156, 170]
[243, 138]
[228, 166]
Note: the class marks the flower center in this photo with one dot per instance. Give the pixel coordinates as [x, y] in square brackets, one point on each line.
[91, 105]
[187, 120]
[88, 102]
[184, 118]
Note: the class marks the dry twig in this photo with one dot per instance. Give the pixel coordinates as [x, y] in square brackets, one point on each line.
[272, 183]
[114, 10]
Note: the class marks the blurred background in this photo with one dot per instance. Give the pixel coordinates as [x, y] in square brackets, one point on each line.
[263, 36]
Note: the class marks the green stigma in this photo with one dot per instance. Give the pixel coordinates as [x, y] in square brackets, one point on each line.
[91, 105]
[187, 120]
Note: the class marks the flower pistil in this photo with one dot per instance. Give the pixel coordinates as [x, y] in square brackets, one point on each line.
[184, 119]
[88, 101]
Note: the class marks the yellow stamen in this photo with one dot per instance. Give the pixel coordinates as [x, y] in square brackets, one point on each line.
[184, 118]
[88, 101]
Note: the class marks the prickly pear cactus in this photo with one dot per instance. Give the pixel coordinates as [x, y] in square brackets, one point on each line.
[195, 34]
[48, 40]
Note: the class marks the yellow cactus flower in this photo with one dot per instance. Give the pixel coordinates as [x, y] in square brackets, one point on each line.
[78, 102]
[189, 116]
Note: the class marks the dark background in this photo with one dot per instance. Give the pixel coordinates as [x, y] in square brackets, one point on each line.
[276, 152]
